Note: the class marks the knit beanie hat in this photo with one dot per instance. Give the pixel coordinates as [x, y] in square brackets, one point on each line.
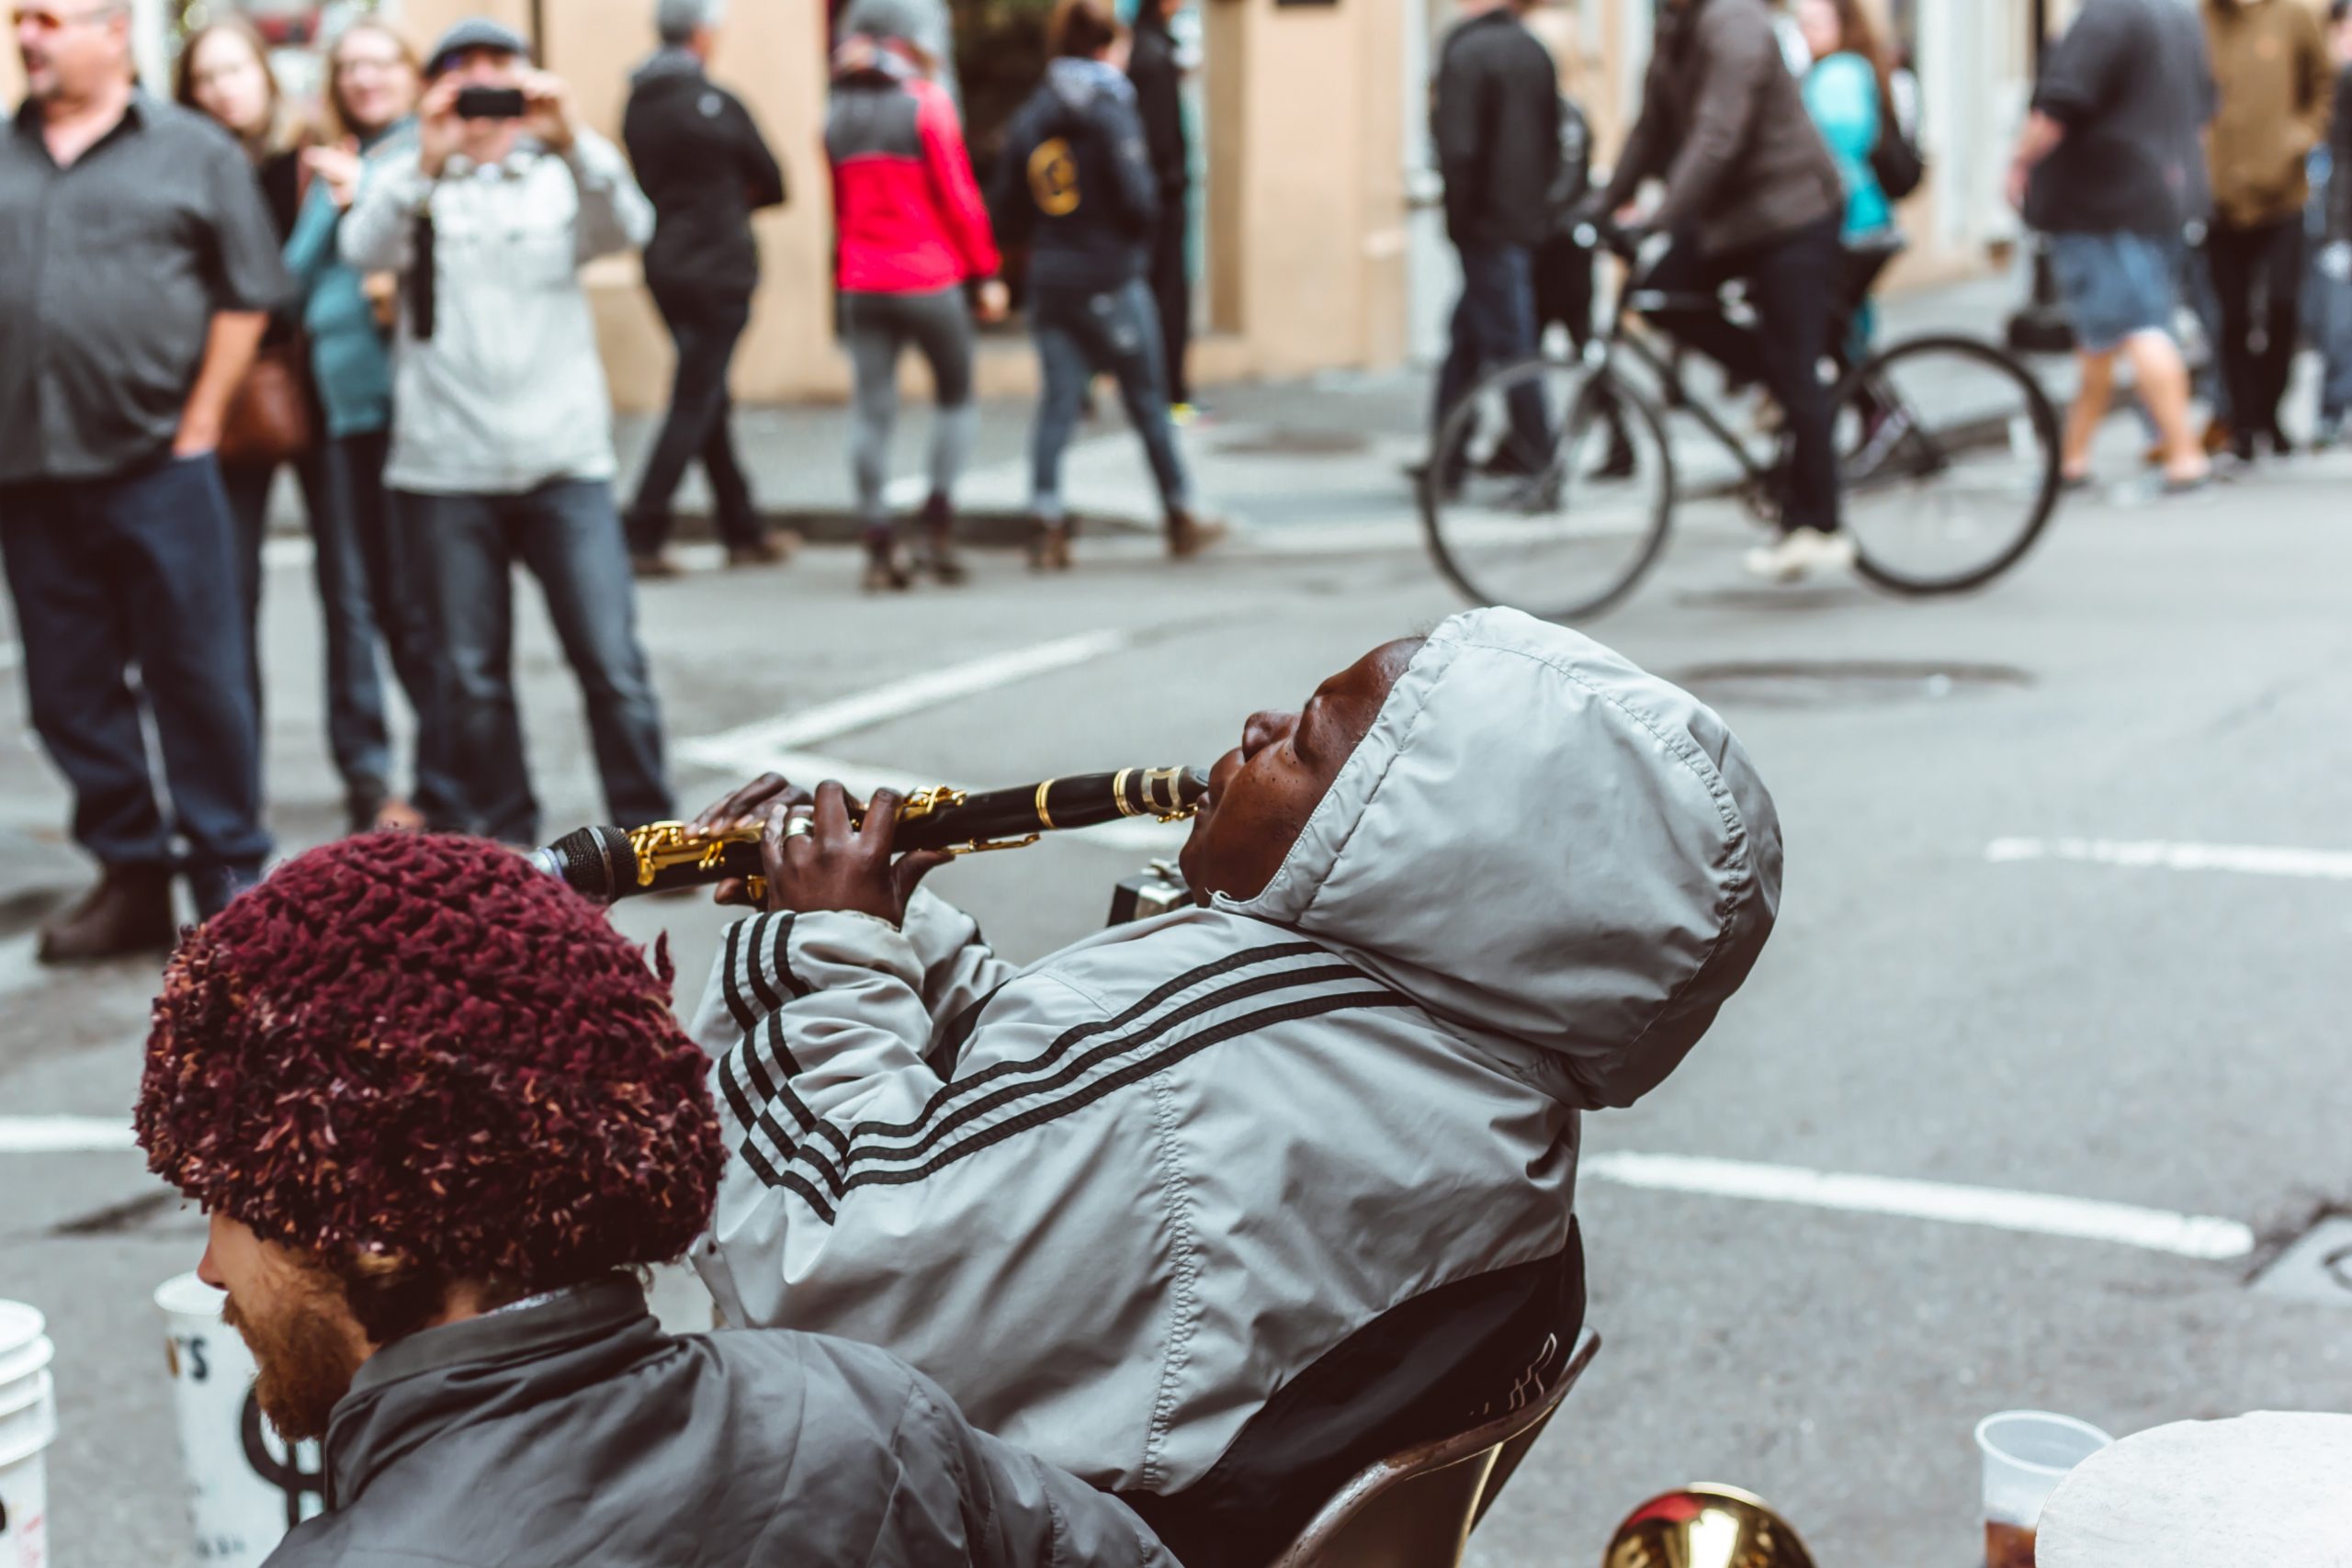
[421, 1048]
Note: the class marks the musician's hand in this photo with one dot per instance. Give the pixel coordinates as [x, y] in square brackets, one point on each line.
[746, 808]
[832, 865]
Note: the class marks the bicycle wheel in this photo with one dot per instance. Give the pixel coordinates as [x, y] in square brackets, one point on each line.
[1550, 489]
[1947, 464]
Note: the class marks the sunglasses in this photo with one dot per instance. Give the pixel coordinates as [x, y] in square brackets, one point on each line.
[41, 18]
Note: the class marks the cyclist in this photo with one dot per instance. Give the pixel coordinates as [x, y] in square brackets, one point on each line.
[1751, 193]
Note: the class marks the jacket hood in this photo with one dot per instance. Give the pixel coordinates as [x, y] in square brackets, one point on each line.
[666, 64]
[1078, 83]
[1539, 840]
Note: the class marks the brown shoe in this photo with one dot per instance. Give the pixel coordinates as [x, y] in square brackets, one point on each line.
[768, 549]
[1048, 545]
[1188, 536]
[129, 911]
[2218, 437]
[655, 566]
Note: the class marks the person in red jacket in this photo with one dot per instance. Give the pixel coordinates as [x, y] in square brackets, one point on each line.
[913, 230]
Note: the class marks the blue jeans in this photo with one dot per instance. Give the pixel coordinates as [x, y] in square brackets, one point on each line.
[141, 569]
[1080, 336]
[568, 535]
[372, 592]
[1494, 325]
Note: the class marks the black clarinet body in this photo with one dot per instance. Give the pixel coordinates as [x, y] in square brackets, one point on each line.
[612, 864]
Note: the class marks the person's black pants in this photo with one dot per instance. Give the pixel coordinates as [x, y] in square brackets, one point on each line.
[1494, 325]
[1172, 290]
[2259, 273]
[1792, 287]
[706, 331]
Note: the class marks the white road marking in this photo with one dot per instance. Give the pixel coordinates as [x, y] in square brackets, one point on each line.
[2038, 1213]
[2155, 1230]
[2256, 860]
[756, 747]
[19, 970]
[66, 1134]
[1139, 835]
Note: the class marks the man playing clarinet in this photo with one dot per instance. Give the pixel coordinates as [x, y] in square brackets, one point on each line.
[1214, 1209]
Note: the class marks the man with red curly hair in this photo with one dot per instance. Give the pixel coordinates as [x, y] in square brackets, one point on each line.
[438, 1112]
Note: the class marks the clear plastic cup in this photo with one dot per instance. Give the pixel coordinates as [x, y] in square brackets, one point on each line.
[2027, 1454]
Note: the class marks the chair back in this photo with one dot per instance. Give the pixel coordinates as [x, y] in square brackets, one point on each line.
[1416, 1509]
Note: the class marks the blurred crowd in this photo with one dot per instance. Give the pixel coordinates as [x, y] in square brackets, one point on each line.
[381, 293]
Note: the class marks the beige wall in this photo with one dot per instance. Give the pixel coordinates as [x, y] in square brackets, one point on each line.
[1306, 184]
[11, 75]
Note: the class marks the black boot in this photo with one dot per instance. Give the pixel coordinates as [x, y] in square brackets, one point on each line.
[939, 557]
[129, 913]
[884, 573]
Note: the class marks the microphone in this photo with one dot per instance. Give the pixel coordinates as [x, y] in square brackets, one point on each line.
[611, 864]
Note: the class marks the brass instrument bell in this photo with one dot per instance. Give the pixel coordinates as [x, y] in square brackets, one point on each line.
[1706, 1526]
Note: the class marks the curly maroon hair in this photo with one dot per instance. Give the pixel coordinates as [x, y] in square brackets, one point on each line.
[416, 1056]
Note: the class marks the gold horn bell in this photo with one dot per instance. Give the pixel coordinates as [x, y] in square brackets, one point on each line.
[1706, 1527]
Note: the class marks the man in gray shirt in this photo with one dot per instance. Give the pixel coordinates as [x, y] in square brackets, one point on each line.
[137, 269]
[2110, 170]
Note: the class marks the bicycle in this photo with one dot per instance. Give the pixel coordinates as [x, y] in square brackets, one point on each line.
[1947, 448]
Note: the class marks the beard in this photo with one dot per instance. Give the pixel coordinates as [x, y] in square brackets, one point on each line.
[305, 1363]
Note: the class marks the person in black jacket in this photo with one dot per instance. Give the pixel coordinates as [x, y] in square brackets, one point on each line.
[1159, 78]
[702, 161]
[1496, 122]
[1075, 182]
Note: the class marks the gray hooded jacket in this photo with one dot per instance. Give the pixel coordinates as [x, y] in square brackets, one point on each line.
[1213, 1209]
[574, 1432]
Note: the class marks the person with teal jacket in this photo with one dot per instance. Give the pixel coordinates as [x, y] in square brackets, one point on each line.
[364, 586]
[1845, 92]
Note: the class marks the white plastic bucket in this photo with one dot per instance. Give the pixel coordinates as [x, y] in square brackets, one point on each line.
[27, 1426]
[246, 1486]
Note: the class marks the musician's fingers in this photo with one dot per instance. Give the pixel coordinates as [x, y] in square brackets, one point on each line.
[913, 868]
[747, 804]
[833, 813]
[734, 890]
[881, 824]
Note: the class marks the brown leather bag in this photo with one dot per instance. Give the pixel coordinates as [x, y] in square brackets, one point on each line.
[269, 419]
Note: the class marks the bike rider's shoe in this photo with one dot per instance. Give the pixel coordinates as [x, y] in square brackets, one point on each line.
[1799, 552]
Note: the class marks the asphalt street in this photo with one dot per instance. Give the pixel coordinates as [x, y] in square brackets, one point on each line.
[1977, 981]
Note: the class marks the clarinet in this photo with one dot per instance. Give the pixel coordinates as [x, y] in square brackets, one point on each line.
[611, 864]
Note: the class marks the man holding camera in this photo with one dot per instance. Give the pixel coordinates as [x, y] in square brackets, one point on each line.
[502, 430]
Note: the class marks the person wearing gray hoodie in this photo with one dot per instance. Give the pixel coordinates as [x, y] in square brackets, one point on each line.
[1214, 1209]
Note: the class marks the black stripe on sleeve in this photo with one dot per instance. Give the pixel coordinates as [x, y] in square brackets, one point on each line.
[780, 951]
[764, 993]
[1071, 1072]
[964, 1087]
[727, 985]
[1039, 1116]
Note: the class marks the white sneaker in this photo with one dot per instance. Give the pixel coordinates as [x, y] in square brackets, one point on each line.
[1801, 550]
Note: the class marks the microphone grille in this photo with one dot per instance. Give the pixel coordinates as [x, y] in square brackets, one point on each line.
[596, 861]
